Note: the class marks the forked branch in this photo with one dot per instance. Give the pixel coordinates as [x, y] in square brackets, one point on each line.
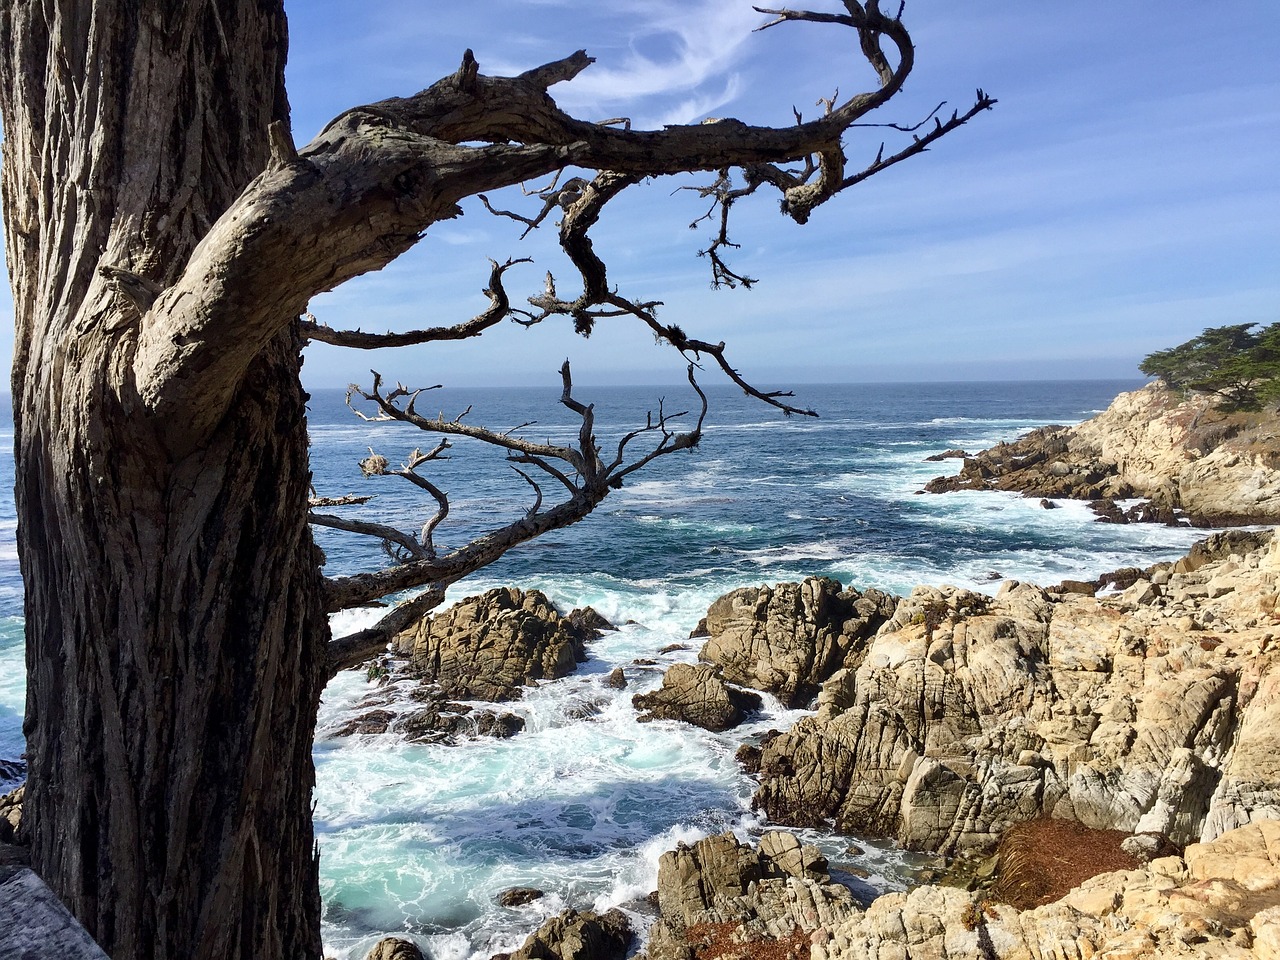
[579, 469]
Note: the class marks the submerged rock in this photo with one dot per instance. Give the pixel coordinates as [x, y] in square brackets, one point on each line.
[519, 896]
[697, 695]
[439, 720]
[488, 647]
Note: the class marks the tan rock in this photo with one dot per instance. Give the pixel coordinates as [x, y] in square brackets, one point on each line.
[696, 694]
[968, 713]
[789, 638]
[488, 647]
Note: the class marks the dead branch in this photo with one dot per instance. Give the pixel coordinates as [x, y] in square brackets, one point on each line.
[345, 500]
[350, 651]
[499, 309]
[584, 475]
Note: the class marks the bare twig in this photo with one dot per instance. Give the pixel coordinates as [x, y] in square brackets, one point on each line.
[499, 309]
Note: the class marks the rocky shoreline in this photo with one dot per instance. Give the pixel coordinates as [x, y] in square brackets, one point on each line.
[1140, 709]
[1187, 461]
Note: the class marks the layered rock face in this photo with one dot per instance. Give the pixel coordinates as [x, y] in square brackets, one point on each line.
[488, 647]
[786, 639]
[1220, 901]
[721, 886]
[1220, 469]
[1152, 710]
[721, 898]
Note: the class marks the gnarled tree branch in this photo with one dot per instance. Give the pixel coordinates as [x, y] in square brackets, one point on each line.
[499, 308]
[349, 651]
[367, 187]
[587, 481]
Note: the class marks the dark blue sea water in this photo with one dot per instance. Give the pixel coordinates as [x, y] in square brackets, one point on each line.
[419, 839]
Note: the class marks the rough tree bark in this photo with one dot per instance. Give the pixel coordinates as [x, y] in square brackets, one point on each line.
[164, 236]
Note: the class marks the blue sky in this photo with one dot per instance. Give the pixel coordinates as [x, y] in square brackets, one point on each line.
[1122, 196]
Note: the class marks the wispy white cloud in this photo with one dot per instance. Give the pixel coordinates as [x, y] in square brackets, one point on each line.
[674, 49]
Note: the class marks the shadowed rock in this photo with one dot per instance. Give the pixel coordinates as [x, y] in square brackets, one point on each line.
[697, 695]
[578, 935]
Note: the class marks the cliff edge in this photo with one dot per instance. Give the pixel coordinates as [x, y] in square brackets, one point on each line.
[1188, 460]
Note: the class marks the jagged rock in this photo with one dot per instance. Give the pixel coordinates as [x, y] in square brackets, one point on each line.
[488, 647]
[578, 935]
[946, 455]
[767, 894]
[1219, 469]
[586, 709]
[968, 714]
[590, 620]
[11, 815]
[443, 721]
[1221, 903]
[617, 679]
[519, 896]
[696, 695]
[394, 948]
[789, 638]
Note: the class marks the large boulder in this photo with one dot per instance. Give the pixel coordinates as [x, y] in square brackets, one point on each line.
[578, 935]
[696, 694]
[1152, 710]
[721, 887]
[789, 638]
[489, 647]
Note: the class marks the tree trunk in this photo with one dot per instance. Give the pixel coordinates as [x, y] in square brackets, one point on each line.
[175, 629]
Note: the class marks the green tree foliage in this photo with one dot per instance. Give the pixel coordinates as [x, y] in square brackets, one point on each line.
[1239, 365]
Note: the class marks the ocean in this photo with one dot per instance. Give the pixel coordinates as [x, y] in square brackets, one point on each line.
[419, 839]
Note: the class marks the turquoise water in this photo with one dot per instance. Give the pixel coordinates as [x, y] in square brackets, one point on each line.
[419, 839]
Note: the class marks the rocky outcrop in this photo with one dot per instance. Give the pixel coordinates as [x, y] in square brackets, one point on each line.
[1221, 901]
[488, 647]
[763, 894]
[787, 639]
[1180, 454]
[1150, 710]
[697, 695]
[577, 935]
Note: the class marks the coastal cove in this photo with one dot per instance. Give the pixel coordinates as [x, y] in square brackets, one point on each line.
[420, 838]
